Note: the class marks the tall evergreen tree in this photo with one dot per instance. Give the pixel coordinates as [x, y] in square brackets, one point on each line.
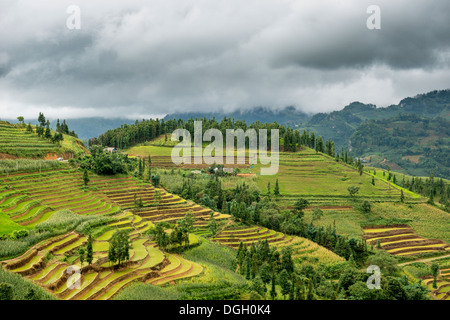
[86, 177]
[276, 190]
[89, 251]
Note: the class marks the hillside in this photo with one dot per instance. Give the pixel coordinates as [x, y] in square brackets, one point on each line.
[199, 233]
[340, 125]
[345, 127]
[89, 127]
[406, 143]
[48, 215]
[17, 142]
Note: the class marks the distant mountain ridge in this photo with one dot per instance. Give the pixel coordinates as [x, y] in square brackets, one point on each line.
[340, 125]
[287, 116]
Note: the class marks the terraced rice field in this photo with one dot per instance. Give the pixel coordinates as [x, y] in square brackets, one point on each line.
[232, 237]
[16, 141]
[161, 157]
[320, 180]
[101, 280]
[442, 292]
[175, 212]
[22, 209]
[306, 251]
[303, 250]
[401, 240]
[32, 198]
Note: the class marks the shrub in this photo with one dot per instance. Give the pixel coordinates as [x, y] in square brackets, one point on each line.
[18, 234]
[23, 289]
[366, 207]
[6, 291]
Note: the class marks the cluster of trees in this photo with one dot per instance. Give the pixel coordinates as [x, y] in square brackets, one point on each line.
[119, 247]
[293, 140]
[214, 196]
[267, 214]
[87, 254]
[129, 135]
[105, 163]
[144, 170]
[64, 128]
[431, 187]
[145, 130]
[265, 267]
[178, 236]
[43, 129]
[292, 222]
[245, 205]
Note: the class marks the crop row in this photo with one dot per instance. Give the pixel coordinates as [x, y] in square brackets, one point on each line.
[402, 240]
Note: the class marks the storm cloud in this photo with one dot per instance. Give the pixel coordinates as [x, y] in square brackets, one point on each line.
[148, 58]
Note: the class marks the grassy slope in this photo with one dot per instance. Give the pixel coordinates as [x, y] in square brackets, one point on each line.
[29, 145]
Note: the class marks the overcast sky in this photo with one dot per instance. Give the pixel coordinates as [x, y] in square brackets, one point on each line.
[142, 58]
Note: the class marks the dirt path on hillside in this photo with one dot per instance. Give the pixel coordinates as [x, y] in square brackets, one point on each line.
[424, 260]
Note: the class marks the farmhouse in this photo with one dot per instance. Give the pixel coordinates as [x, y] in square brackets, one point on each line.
[110, 150]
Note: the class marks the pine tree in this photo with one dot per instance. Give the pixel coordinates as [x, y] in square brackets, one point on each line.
[81, 253]
[85, 177]
[149, 168]
[284, 283]
[140, 168]
[273, 291]
[402, 196]
[431, 198]
[434, 272]
[41, 119]
[276, 190]
[48, 133]
[378, 244]
[247, 267]
[212, 225]
[89, 251]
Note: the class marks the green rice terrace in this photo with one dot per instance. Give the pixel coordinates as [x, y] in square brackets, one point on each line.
[304, 217]
[17, 142]
[33, 200]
